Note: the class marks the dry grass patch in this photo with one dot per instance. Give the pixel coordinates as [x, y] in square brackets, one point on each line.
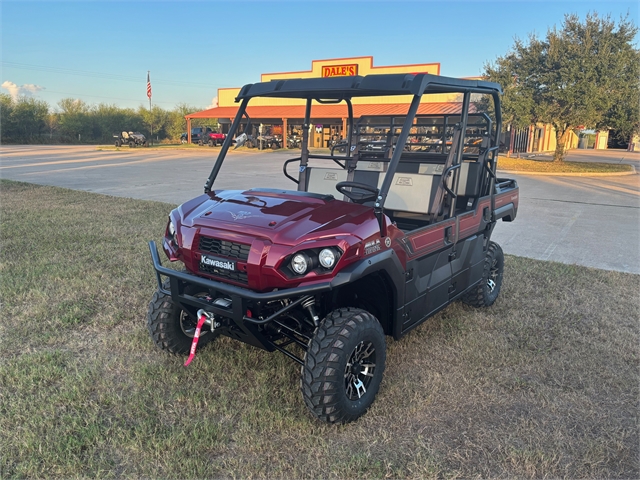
[549, 166]
[543, 384]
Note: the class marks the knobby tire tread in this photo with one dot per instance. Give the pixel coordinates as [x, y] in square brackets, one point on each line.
[476, 296]
[162, 326]
[322, 375]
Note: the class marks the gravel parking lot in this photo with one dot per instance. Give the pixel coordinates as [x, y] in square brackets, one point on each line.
[591, 221]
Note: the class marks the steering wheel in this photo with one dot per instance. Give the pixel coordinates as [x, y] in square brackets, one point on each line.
[357, 197]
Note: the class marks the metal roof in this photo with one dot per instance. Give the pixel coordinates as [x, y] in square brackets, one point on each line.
[329, 111]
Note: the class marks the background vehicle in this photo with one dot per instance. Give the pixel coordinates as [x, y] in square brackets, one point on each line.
[133, 139]
[196, 134]
[211, 138]
[370, 244]
[294, 141]
[273, 142]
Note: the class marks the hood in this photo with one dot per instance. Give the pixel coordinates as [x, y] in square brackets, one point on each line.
[283, 216]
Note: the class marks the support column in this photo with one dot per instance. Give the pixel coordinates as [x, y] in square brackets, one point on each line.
[344, 128]
[188, 130]
[512, 140]
[530, 139]
[284, 133]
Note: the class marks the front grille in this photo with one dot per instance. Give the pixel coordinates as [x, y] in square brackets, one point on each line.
[225, 248]
[240, 277]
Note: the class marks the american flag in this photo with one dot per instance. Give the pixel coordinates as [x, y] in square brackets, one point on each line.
[148, 86]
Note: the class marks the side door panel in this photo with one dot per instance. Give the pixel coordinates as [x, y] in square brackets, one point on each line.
[467, 265]
[428, 272]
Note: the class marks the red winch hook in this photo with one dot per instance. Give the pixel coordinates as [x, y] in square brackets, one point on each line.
[202, 317]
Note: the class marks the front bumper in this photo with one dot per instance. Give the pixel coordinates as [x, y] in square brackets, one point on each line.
[245, 328]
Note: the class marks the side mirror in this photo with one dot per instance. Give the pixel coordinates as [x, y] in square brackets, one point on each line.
[240, 140]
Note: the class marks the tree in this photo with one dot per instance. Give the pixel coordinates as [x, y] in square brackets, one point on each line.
[585, 74]
[7, 124]
[178, 124]
[74, 119]
[23, 119]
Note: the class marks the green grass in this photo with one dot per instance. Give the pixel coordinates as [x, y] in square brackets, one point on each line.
[542, 384]
[548, 166]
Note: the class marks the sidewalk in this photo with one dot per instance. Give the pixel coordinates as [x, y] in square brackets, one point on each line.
[589, 156]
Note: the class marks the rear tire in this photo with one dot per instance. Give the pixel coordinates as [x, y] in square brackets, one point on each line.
[132, 144]
[199, 143]
[211, 143]
[172, 328]
[486, 292]
[343, 365]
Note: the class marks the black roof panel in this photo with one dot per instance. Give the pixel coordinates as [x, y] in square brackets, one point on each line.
[365, 86]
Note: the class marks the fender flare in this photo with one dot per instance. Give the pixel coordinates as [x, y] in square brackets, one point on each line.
[387, 262]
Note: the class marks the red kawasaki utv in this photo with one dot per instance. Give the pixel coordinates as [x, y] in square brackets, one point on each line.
[368, 243]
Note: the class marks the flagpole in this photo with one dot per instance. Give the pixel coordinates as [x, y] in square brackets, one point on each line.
[150, 113]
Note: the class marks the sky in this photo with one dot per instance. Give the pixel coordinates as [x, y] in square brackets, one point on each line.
[100, 52]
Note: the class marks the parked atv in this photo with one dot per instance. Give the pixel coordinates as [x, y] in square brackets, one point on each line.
[365, 245]
[293, 141]
[270, 141]
[133, 139]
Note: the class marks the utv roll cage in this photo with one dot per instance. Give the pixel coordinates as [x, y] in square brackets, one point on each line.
[398, 128]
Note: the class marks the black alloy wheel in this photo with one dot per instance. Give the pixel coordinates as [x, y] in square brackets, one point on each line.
[343, 365]
[486, 292]
[359, 371]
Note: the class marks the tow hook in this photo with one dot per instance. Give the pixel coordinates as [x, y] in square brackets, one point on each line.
[202, 318]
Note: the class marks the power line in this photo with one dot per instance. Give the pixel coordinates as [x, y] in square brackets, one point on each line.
[108, 76]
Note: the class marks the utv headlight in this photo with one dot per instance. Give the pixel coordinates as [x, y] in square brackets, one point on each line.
[327, 258]
[300, 263]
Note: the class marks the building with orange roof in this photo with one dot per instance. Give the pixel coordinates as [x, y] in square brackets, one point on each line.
[282, 116]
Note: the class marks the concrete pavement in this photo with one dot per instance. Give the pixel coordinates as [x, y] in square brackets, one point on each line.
[592, 221]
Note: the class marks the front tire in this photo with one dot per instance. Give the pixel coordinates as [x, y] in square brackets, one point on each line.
[211, 143]
[118, 143]
[172, 328]
[486, 292]
[343, 365]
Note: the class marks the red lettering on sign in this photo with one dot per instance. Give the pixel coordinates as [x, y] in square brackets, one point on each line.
[339, 70]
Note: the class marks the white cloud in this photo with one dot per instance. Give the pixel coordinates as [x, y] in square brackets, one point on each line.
[28, 89]
[214, 102]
